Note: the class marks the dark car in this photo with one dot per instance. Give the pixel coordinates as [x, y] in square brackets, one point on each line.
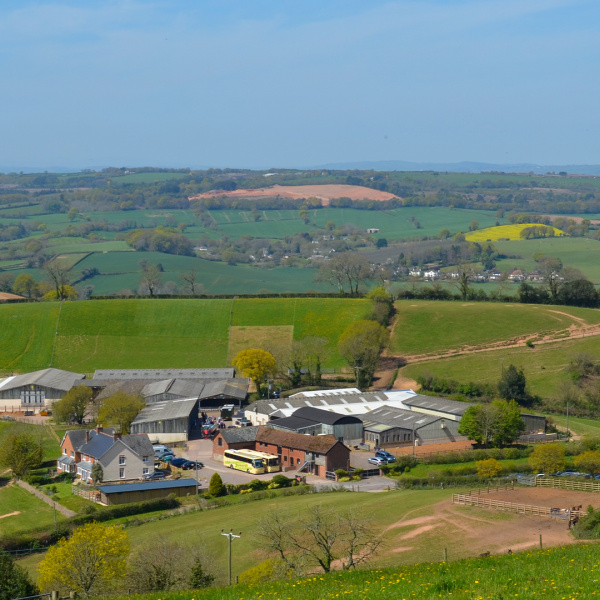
[178, 462]
[387, 456]
[191, 464]
[155, 475]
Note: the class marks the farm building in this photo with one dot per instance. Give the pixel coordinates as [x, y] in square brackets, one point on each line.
[534, 423]
[296, 451]
[149, 490]
[440, 407]
[348, 429]
[317, 454]
[349, 403]
[391, 426]
[212, 393]
[37, 390]
[238, 438]
[168, 421]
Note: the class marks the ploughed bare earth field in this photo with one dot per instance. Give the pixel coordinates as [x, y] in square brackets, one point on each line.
[324, 192]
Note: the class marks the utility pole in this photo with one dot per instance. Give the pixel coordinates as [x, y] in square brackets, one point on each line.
[568, 433]
[230, 536]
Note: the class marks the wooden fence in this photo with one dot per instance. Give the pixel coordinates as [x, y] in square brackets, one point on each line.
[568, 484]
[524, 509]
[491, 488]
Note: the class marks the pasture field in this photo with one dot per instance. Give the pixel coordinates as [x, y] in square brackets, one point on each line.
[503, 232]
[27, 334]
[121, 270]
[574, 252]
[430, 327]
[160, 333]
[544, 365]
[50, 443]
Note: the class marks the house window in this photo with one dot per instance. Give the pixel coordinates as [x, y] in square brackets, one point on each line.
[297, 461]
[145, 459]
[285, 459]
[145, 471]
[121, 460]
[72, 453]
[65, 451]
[121, 473]
[220, 441]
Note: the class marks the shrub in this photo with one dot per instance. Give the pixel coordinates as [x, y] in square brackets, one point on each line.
[216, 487]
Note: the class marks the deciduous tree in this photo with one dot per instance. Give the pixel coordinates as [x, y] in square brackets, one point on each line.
[14, 580]
[58, 276]
[256, 364]
[488, 468]
[319, 538]
[497, 423]
[90, 562]
[25, 285]
[21, 452]
[119, 410]
[548, 458]
[72, 406]
[361, 344]
[588, 462]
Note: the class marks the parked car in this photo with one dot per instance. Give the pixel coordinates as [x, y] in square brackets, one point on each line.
[376, 460]
[166, 457]
[387, 456]
[155, 475]
[191, 464]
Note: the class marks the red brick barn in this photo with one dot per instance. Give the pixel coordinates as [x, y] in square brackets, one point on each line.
[239, 438]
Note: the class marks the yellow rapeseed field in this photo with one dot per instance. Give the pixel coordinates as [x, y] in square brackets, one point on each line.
[503, 232]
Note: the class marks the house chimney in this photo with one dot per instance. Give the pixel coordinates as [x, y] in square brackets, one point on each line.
[99, 429]
[116, 436]
[87, 436]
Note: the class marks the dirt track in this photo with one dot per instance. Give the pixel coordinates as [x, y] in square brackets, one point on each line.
[324, 192]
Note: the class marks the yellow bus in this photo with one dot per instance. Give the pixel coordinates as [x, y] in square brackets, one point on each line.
[270, 461]
[244, 460]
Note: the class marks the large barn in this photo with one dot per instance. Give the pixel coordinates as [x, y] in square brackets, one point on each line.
[37, 390]
[168, 421]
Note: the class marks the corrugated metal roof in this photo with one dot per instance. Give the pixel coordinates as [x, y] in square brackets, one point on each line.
[397, 417]
[147, 485]
[154, 374]
[452, 407]
[166, 410]
[51, 378]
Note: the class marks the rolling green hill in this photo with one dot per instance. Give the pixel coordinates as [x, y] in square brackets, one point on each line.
[84, 336]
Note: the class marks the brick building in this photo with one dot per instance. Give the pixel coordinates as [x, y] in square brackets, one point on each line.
[297, 452]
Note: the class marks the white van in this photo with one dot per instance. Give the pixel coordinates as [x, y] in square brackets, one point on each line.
[160, 449]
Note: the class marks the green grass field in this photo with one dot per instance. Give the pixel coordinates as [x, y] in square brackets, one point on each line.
[574, 252]
[432, 327]
[157, 333]
[568, 573]
[544, 365]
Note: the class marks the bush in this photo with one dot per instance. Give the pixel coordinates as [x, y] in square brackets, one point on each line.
[341, 473]
[282, 481]
[216, 487]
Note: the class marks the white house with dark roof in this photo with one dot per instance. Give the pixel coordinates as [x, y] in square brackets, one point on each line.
[122, 457]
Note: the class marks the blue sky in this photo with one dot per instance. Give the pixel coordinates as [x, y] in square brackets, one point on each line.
[259, 84]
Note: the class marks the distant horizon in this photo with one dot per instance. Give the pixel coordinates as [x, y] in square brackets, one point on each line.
[383, 165]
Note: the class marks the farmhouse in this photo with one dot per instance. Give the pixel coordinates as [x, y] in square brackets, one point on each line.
[167, 421]
[316, 454]
[37, 390]
[121, 457]
[149, 490]
[390, 426]
[347, 429]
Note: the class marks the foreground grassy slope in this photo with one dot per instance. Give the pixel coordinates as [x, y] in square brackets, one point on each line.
[560, 573]
[431, 327]
[84, 336]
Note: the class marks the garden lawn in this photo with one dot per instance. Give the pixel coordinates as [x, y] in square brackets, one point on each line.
[432, 327]
[32, 511]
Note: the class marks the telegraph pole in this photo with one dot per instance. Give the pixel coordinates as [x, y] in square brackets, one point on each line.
[230, 536]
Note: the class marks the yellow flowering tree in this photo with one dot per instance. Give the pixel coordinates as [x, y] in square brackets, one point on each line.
[90, 561]
[488, 468]
[256, 364]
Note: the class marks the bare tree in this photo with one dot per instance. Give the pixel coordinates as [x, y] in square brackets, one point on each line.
[151, 277]
[58, 276]
[190, 279]
[346, 267]
[320, 538]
